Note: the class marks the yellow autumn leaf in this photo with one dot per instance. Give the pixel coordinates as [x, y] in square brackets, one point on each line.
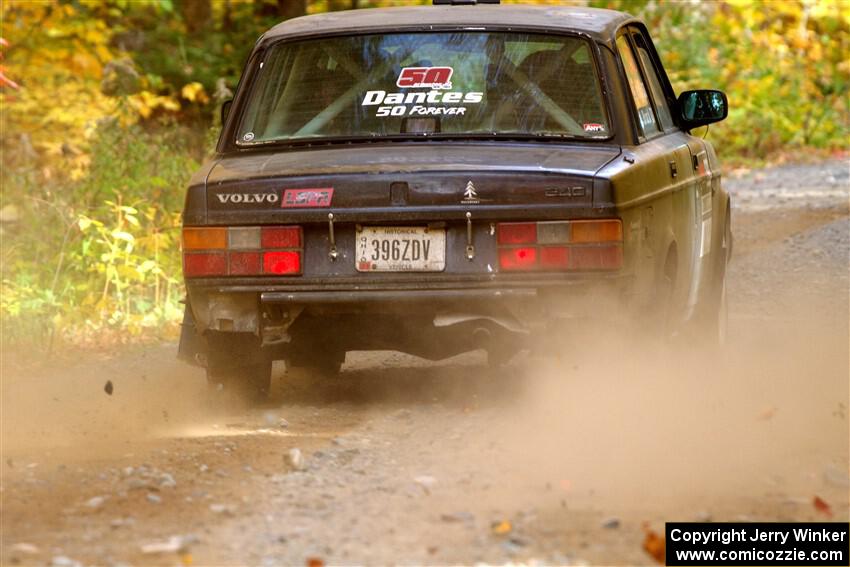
[146, 102]
[194, 92]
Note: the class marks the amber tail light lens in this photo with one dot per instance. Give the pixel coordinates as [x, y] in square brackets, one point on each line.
[596, 231]
[204, 238]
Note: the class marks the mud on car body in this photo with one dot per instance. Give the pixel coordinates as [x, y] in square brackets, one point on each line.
[439, 179]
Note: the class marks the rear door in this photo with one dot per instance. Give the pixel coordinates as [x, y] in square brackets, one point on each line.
[664, 171]
[699, 170]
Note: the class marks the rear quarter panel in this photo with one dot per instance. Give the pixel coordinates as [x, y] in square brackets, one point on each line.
[657, 212]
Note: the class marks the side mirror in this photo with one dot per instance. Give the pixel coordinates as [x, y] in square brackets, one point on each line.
[225, 110]
[698, 108]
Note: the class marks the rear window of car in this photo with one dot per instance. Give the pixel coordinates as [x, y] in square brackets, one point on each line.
[474, 83]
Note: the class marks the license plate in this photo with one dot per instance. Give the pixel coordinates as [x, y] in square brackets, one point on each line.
[401, 249]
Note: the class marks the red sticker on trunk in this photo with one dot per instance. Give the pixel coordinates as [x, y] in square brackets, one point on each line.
[307, 197]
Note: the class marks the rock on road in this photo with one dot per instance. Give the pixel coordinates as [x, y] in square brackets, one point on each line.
[564, 461]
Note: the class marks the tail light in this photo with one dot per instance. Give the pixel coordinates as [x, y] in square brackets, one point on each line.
[281, 237]
[561, 246]
[242, 251]
[593, 231]
[520, 258]
[204, 238]
[286, 262]
[204, 264]
[517, 233]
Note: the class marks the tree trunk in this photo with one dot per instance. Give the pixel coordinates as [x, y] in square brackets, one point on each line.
[227, 18]
[196, 14]
[291, 8]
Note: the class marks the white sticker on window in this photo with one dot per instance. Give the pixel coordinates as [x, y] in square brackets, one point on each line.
[422, 103]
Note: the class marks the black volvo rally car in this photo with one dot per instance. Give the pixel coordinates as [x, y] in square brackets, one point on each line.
[440, 179]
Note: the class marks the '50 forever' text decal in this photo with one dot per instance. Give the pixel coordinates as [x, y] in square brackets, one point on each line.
[421, 103]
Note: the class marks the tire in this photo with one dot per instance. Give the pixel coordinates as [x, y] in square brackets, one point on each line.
[716, 315]
[722, 325]
[251, 382]
[660, 315]
[237, 363]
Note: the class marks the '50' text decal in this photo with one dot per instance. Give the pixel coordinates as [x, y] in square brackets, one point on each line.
[428, 77]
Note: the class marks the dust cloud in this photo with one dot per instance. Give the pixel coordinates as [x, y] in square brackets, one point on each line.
[634, 426]
[65, 407]
[413, 462]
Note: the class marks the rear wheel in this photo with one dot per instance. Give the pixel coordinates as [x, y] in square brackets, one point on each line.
[661, 316]
[237, 363]
[252, 381]
[716, 315]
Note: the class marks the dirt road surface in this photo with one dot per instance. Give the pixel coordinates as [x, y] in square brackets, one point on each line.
[561, 461]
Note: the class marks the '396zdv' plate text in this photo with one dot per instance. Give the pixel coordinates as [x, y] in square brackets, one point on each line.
[401, 249]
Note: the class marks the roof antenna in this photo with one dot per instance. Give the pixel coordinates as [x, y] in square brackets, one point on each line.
[462, 2]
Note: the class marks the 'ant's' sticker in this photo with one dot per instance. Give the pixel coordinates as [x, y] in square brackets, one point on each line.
[593, 127]
[293, 198]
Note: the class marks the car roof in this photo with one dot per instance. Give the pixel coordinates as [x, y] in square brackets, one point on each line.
[598, 23]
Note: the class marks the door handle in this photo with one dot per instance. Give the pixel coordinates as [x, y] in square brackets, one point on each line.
[674, 170]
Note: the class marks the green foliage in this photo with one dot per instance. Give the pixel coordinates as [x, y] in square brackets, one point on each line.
[99, 253]
[783, 65]
[107, 106]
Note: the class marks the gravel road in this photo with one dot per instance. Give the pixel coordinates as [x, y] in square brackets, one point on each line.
[567, 461]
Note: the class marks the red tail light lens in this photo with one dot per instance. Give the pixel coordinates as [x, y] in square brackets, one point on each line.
[281, 237]
[517, 233]
[555, 258]
[596, 257]
[285, 262]
[245, 263]
[197, 264]
[524, 258]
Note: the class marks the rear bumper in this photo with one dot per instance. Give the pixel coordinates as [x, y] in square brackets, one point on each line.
[392, 296]
[253, 306]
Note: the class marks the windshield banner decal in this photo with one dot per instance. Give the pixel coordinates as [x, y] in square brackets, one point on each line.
[422, 103]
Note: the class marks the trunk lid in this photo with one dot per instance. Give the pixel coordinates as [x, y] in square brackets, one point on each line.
[398, 182]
